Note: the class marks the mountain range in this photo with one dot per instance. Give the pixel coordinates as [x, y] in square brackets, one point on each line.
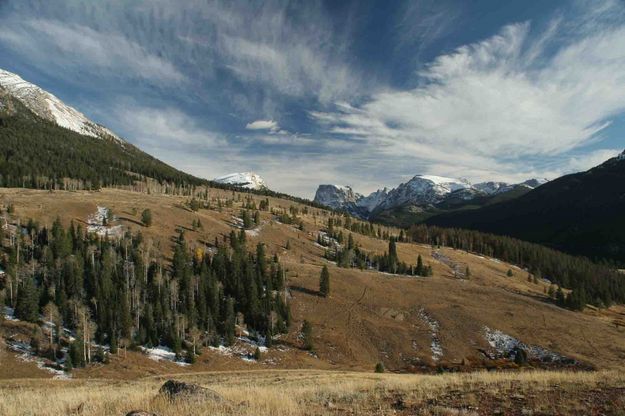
[422, 196]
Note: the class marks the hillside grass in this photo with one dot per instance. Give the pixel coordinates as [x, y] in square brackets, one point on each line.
[300, 392]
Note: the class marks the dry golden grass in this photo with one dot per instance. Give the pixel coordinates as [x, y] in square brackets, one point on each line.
[294, 392]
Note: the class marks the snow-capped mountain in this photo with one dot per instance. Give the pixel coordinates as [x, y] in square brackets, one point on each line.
[373, 200]
[421, 190]
[534, 183]
[49, 107]
[493, 188]
[337, 196]
[249, 180]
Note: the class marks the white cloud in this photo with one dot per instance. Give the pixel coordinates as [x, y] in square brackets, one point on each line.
[165, 128]
[489, 107]
[71, 46]
[263, 125]
[591, 159]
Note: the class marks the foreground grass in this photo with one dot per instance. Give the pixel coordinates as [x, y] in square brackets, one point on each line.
[294, 392]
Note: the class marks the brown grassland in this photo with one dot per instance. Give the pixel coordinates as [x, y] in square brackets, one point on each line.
[369, 317]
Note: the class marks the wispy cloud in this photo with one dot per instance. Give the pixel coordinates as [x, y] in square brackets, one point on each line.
[59, 44]
[498, 102]
[167, 128]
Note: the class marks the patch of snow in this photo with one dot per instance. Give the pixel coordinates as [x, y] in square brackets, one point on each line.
[9, 314]
[504, 346]
[26, 354]
[243, 348]
[96, 224]
[161, 353]
[435, 345]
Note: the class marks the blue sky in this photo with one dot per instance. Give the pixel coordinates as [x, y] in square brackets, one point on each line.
[364, 93]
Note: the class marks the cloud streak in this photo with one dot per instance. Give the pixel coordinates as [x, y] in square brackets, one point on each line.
[498, 102]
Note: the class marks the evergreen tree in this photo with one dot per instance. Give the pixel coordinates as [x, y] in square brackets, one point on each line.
[420, 270]
[27, 307]
[324, 282]
[379, 368]
[146, 217]
[307, 336]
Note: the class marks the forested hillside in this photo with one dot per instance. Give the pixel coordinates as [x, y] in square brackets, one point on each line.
[590, 283]
[36, 153]
[581, 214]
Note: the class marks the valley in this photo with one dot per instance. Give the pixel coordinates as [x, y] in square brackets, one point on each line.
[369, 317]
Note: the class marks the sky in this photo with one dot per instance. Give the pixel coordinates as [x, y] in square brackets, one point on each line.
[360, 93]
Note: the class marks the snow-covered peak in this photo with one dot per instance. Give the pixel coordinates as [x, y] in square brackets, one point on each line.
[534, 183]
[49, 107]
[371, 201]
[249, 180]
[492, 188]
[336, 196]
[424, 189]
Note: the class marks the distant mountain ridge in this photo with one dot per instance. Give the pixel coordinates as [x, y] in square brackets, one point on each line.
[422, 192]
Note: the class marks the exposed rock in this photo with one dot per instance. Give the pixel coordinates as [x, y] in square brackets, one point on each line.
[173, 389]
[140, 413]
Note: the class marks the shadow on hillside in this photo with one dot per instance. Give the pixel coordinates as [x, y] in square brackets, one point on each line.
[132, 220]
[305, 290]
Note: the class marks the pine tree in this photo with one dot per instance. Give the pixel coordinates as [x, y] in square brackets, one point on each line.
[324, 282]
[392, 256]
[27, 307]
[307, 336]
[420, 271]
[146, 217]
[247, 221]
[379, 368]
[509, 273]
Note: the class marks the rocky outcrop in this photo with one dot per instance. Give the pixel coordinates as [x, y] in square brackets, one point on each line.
[174, 390]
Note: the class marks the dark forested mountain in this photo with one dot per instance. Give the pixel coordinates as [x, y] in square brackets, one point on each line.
[582, 213]
[38, 153]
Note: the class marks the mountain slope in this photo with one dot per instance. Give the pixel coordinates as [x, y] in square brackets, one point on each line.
[580, 213]
[38, 153]
[49, 107]
[248, 180]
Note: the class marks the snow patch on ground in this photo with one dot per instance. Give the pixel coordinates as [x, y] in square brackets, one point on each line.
[505, 345]
[9, 314]
[161, 353]
[435, 345]
[96, 224]
[243, 348]
[26, 354]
